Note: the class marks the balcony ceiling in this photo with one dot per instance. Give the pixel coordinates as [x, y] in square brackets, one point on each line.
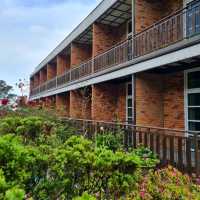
[118, 14]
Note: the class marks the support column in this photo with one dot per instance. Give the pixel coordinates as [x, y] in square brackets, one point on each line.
[109, 102]
[63, 104]
[43, 75]
[80, 53]
[80, 103]
[51, 71]
[105, 36]
[62, 64]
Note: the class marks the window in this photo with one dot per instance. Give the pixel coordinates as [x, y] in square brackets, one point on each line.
[129, 29]
[193, 99]
[193, 18]
[129, 103]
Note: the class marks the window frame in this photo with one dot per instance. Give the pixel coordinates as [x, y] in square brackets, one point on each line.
[130, 97]
[188, 91]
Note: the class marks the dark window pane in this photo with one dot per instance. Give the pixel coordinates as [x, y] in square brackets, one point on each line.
[130, 104]
[194, 99]
[194, 126]
[194, 114]
[194, 80]
[130, 112]
[129, 89]
[129, 27]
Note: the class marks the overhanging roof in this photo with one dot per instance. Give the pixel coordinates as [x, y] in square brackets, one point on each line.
[85, 24]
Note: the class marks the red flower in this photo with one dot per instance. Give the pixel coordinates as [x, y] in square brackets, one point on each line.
[4, 102]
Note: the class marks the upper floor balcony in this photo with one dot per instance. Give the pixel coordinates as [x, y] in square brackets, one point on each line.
[177, 31]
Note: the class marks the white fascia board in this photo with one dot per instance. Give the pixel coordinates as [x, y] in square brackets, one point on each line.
[169, 58]
[87, 22]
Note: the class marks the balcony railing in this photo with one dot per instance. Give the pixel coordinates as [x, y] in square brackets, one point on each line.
[175, 28]
[178, 148]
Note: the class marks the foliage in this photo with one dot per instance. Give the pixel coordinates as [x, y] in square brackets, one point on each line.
[43, 158]
[166, 184]
[110, 140]
[85, 196]
[5, 90]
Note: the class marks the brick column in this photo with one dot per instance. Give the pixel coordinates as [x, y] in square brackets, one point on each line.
[63, 103]
[51, 71]
[80, 104]
[75, 104]
[62, 64]
[36, 80]
[80, 53]
[174, 101]
[105, 36]
[149, 99]
[31, 83]
[109, 102]
[43, 75]
[148, 12]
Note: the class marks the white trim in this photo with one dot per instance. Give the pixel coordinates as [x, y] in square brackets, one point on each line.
[186, 92]
[127, 98]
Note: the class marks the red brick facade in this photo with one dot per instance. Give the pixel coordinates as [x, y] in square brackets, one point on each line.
[148, 12]
[80, 104]
[63, 104]
[160, 100]
[105, 36]
[109, 102]
[80, 53]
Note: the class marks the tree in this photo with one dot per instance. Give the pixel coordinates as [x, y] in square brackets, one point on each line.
[5, 90]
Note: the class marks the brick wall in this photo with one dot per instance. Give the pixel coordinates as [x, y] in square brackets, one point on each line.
[80, 53]
[50, 102]
[36, 79]
[174, 101]
[80, 105]
[109, 102]
[105, 36]
[63, 104]
[61, 64]
[43, 75]
[149, 12]
[51, 71]
[149, 99]
[160, 100]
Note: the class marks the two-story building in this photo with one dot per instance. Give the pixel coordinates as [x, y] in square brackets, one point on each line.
[128, 60]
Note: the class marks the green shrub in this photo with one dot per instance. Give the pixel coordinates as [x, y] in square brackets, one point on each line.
[15, 194]
[85, 196]
[110, 140]
[166, 184]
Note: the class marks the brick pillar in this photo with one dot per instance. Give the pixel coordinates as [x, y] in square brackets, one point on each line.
[75, 104]
[80, 53]
[105, 36]
[149, 99]
[174, 101]
[51, 71]
[36, 80]
[51, 102]
[61, 64]
[31, 83]
[43, 75]
[63, 103]
[109, 102]
[148, 12]
[80, 103]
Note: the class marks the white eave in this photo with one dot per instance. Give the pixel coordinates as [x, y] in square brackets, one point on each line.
[87, 22]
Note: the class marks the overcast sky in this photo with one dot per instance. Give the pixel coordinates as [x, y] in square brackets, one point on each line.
[30, 29]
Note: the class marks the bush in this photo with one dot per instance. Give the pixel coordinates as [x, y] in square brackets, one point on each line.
[166, 184]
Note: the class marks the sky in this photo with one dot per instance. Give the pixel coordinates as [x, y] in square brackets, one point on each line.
[31, 29]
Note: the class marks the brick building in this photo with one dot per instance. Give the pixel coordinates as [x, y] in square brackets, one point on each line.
[129, 60]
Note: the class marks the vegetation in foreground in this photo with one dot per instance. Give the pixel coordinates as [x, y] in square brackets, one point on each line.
[42, 158]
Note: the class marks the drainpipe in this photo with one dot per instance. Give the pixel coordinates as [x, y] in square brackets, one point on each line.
[133, 17]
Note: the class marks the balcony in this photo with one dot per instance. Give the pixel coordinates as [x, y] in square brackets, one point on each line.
[177, 28]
